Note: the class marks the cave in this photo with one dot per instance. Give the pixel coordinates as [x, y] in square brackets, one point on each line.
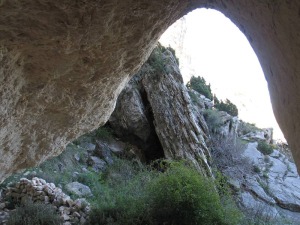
[64, 63]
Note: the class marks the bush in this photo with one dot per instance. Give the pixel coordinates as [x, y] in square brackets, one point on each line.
[265, 148]
[104, 133]
[157, 60]
[199, 84]
[227, 155]
[256, 169]
[193, 97]
[180, 195]
[34, 214]
[213, 120]
[122, 193]
[226, 106]
[174, 54]
[245, 128]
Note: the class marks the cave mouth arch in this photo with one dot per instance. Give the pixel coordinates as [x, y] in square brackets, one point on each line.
[209, 45]
[50, 48]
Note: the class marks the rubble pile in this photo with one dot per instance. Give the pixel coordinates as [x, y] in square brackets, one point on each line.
[38, 190]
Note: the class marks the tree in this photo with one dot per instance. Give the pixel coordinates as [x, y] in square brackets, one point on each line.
[226, 106]
[199, 84]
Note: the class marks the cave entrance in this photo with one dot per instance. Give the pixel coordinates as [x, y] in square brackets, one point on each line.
[209, 45]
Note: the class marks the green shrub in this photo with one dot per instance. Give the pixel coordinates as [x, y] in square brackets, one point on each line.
[256, 169]
[156, 60]
[245, 128]
[199, 84]
[265, 148]
[226, 106]
[174, 54]
[213, 120]
[193, 97]
[104, 133]
[180, 195]
[34, 214]
[122, 204]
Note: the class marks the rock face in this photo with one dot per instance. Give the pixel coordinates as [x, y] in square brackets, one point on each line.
[276, 181]
[169, 112]
[63, 64]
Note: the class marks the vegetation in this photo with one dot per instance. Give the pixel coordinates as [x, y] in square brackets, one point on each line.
[34, 213]
[245, 128]
[256, 169]
[213, 120]
[58, 170]
[179, 195]
[193, 97]
[173, 53]
[226, 106]
[156, 59]
[104, 133]
[265, 148]
[228, 153]
[199, 84]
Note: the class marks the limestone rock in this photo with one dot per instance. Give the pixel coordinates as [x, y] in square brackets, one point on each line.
[132, 121]
[79, 189]
[200, 100]
[103, 151]
[258, 207]
[229, 124]
[63, 64]
[88, 146]
[278, 182]
[96, 163]
[38, 190]
[265, 134]
[130, 114]
[179, 134]
[166, 110]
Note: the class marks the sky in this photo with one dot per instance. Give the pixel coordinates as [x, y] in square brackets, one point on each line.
[210, 45]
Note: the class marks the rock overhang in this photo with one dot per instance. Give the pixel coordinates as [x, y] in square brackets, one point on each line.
[63, 64]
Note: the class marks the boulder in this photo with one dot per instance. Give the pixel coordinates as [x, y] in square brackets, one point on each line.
[130, 114]
[96, 163]
[103, 151]
[78, 189]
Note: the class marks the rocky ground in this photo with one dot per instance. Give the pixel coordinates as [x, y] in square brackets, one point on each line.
[275, 186]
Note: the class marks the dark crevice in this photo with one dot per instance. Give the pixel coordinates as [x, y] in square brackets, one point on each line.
[154, 148]
[151, 149]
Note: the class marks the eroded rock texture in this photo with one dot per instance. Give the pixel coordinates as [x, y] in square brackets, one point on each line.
[64, 62]
[156, 103]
